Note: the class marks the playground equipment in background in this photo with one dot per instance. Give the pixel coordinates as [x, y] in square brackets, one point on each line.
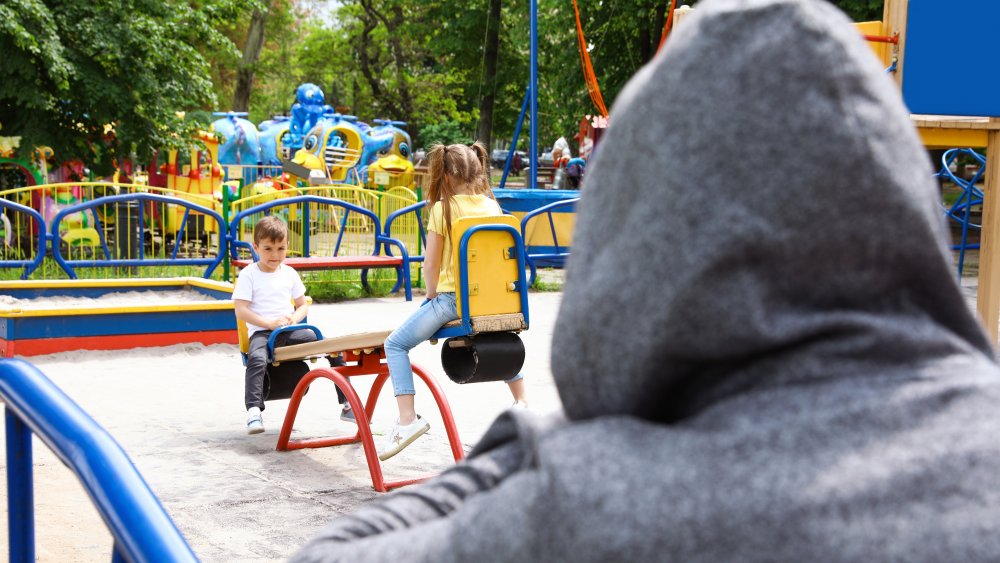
[393, 167]
[240, 145]
[555, 235]
[131, 226]
[30, 331]
[316, 145]
[329, 153]
[194, 175]
[270, 134]
[308, 110]
[75, 229]
[128, 227]
[340, 149]
[970, 197]
[141, 530]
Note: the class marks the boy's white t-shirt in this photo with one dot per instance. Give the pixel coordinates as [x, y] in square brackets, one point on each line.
[270, 293]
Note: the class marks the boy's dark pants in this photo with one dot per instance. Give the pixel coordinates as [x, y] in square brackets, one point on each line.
[257, 363]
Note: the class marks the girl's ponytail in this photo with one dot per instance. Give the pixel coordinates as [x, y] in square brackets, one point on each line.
[484, 164]
[435, 169]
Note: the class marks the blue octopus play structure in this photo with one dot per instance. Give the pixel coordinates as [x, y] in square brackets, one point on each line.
[313, 143]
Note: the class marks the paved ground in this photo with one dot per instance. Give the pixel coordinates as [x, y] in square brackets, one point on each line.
[178, 413]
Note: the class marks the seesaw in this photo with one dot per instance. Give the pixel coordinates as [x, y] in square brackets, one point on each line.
[482, 345]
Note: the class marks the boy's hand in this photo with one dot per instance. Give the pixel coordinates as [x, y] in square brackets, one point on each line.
[279, 322]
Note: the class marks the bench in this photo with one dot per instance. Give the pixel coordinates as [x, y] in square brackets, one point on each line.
[320, 249]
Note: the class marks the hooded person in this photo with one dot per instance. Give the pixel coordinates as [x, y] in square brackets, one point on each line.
[753, 366]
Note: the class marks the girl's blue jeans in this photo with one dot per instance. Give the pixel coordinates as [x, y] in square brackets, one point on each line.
[421, 325]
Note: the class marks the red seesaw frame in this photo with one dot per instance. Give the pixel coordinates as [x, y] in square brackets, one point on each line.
[365, 362]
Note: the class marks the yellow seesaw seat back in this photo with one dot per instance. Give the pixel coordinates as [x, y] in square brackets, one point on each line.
[493, 274]
[241, 329]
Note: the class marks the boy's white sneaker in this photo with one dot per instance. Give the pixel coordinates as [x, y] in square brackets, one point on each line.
[401, 436]
[255, 423]
[519, 405]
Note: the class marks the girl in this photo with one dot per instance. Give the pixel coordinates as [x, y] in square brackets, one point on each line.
[459, 187]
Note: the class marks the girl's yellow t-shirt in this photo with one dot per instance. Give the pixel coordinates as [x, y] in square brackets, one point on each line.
[461, 206]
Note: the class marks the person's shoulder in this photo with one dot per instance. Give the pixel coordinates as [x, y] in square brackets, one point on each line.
[437, 209]
[287, 270]
[250, 271]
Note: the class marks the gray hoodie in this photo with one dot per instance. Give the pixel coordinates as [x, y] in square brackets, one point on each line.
[761, 352]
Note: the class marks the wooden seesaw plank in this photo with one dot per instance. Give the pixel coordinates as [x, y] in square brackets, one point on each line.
[328, 346]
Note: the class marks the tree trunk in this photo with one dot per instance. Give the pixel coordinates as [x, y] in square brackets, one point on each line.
[484, 132]
[251, 53]
[651, 31]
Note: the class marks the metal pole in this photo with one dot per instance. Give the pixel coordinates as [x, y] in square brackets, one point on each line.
[20, 491]
[534, 96]
[517, 134]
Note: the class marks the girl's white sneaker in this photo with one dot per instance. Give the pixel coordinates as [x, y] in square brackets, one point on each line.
[401, 436]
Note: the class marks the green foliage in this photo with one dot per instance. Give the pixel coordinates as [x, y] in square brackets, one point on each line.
[861, 10]
[444, 132]
[72, 68]
[342, 285]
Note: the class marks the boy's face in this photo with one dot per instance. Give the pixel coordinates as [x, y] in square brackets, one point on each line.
[272, 253]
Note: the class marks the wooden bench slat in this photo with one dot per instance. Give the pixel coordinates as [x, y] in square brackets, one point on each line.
[328, 346]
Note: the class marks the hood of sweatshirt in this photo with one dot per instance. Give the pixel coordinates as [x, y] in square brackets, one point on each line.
[760, 212]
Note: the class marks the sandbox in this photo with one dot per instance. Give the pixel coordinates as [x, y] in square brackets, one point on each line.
[43, 317]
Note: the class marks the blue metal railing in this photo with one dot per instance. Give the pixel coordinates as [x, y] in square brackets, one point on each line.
[560, 253]
[380, 239]
[416, 209]
[961, 210]
[141, 528]
[29, 264]
[68, 264]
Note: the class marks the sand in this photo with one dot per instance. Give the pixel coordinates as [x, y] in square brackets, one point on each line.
[112, 299]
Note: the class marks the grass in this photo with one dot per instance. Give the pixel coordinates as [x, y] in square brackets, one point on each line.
[323, 287]
[549, 280]
[343, 285]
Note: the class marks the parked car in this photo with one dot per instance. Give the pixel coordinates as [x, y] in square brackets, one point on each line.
[499, 157]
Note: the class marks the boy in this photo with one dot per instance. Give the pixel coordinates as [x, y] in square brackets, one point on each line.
[263, 297]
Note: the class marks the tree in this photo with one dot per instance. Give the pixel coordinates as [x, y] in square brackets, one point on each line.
[251, 53]
[72, 69]
[491, 52]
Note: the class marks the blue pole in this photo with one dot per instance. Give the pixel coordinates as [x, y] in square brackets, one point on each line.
[20, 491]
[517, 134]
[534, 96]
